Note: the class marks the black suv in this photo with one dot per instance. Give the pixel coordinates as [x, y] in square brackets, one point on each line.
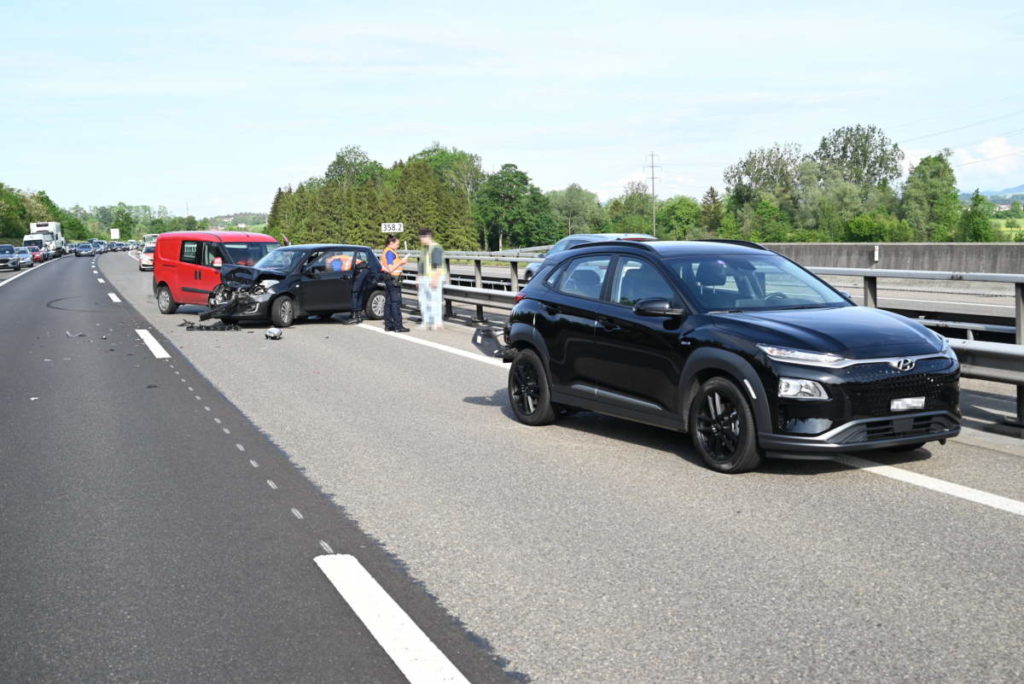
[736, 344]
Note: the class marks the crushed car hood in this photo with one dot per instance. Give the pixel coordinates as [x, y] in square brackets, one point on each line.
[241, 277]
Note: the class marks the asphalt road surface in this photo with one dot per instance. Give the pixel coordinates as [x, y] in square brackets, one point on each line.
[591, 550]
[598, 550]
[150, 532]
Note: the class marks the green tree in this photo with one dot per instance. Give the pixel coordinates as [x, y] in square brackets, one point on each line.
[509, 208]
[768, 170]
[712, 210]
[352, 166]
[630, 212]
[577, 210]
[679, 218]
[976, 220]
[930, 204]
[862, 155]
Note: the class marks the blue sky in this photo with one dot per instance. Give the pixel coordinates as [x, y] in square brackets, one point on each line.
[218, 104]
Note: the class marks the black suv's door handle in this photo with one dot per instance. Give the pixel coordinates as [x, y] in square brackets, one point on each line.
[608, 324]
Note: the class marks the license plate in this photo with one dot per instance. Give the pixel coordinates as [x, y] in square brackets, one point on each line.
[906, 404]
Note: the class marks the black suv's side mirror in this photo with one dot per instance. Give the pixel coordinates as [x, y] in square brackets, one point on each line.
[656, 306]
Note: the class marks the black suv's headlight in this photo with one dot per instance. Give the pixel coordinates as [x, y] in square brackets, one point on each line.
[802, 357]
[799, 388]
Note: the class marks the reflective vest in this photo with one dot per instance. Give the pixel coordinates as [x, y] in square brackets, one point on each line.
[384, 261]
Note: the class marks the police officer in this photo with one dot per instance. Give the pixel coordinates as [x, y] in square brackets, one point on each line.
[391, 267]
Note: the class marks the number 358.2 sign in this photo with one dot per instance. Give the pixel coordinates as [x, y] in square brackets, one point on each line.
[392, 227]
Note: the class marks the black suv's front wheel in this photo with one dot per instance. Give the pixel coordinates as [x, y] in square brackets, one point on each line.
[722, 426]
[528, 390]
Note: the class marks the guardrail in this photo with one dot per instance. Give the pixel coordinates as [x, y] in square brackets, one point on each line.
[992, 361]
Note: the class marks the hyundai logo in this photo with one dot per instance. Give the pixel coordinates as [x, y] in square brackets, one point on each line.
[903, 364]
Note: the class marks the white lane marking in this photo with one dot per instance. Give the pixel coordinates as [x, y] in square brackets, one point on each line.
[253, 463]
[419, 659]
[226, 431]
[151, 343]
[192, 390]
[217, 421]
[434, 345]
[240, 447]
[271, 484]
[101, 281]
[206, 408]
[114, 298]
[943, 486]
[95, 272]
[197, 397]
[297, 513]
[326, 547]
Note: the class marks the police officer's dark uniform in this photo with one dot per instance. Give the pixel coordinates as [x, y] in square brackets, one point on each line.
[391, 269]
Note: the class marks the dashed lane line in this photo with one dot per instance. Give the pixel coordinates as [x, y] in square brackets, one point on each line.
[101, 281]
[155, 347]
[297, 513]
[418, 658]
[114, 298]
[271, 484]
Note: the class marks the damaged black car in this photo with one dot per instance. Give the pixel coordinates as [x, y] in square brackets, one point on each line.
[295, 282]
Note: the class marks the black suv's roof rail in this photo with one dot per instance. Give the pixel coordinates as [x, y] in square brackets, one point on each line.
[642, 244]
[742, 243]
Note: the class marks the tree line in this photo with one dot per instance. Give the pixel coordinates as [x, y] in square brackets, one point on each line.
[849, 189]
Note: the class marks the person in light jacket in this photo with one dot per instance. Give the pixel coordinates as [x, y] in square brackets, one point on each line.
[430, 281]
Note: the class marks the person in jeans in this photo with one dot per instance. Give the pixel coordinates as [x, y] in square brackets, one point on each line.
[391, 272]
[430, 282]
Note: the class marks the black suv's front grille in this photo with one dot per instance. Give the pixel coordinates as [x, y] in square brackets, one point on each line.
[897, 427]
[872, 387]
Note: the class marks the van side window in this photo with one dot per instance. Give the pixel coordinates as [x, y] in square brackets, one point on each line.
[211, 250]
[190, 252]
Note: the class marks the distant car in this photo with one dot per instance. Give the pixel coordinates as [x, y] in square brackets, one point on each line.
[9, 258]
[85, 249]
[578, 239]
[25, 255]
[38, 255]
[146, 258]
[299, 280]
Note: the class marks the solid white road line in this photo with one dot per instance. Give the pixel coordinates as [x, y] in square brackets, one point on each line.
[419, 659]
[114, 298]
[30, 270]
[154, 346]
[434, 345]
[976, 495]
[934, 484]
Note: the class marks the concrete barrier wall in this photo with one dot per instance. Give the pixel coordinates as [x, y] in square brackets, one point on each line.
[967, 257]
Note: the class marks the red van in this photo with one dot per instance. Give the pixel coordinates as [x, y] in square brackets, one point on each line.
[186, 265]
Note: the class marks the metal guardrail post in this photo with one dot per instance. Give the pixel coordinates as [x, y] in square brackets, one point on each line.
[1018, 308]
[871, 291]
[478, 281]
[514, 270]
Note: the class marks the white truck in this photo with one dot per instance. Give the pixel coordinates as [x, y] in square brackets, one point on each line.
[46, 235]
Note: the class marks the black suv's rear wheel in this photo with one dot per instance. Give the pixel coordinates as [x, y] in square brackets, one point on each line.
[723, 429]
[528, 390]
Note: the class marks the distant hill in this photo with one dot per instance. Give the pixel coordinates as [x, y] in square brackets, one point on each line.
[250, 219]
[999, 196]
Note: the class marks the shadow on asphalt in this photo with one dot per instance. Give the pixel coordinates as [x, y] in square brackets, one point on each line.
[679, 444]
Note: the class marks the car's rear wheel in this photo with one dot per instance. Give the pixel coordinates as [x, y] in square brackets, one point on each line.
[722, 426]
[282, 312]
[528, 390]
[374, 308]
[164, 301]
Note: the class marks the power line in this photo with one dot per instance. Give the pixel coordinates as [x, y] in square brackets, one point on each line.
[1000, 156]
[960, 128]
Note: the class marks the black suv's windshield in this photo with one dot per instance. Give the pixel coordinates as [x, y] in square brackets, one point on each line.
[283, 260]
[744, 282]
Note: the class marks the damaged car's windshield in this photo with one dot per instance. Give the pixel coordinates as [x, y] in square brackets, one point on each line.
[283, 260]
